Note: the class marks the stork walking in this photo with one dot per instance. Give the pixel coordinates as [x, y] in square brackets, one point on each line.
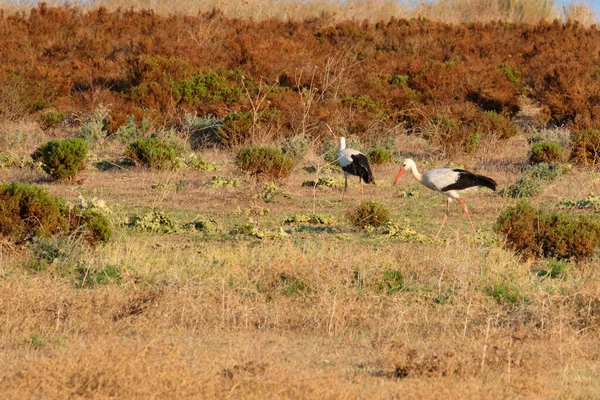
[449, 182]
[353, 162]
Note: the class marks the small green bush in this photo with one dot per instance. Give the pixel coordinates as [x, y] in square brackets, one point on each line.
[546, 172]
[95, 226]
[546, 152]
[536, 233]
[381, 156]
[130, 131]
[296, 147]
[369, 213]
[586, 147]
[523, 187]
[391, 282]
[264, 161]
[152, 153]
[95, 130]
[27, 211]
[504, 292]
[62, 159]
[52, 119]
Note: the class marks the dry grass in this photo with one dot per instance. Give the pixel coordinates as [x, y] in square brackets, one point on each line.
[310, 314]
[450, 11]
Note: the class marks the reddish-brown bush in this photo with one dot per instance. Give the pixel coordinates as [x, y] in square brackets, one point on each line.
[358, 77]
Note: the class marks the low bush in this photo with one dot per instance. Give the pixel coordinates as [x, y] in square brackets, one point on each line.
[28, 211]
[381, 156]
[546, 152]
[523, 187]
[264, 161]
[546, 172]
[296, 147]
[152, 153]
[586, 147]
[62, 159]
[536, 233]
[369, 213]
[95, 130]
[131, 131]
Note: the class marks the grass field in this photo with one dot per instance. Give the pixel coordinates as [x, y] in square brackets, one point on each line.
[217, 284]
[310, 310]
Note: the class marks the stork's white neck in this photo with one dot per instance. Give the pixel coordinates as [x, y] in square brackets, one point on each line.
[413, 168]
[342, 144]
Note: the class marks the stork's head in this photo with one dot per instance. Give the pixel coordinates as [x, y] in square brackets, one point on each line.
[407, 164]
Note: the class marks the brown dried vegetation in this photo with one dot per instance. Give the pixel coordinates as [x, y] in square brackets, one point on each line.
[361, 78]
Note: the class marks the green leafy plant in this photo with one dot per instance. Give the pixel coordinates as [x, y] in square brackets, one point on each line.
[131, 131]
[523, 187]
[95, 130]
[296, 146]
[219, 181]
[536, 232]
[152, 153]
[504, 292]
[391, 282]
[62, 159]
[264, 161]
[381, 156]
[369, 213]
[326, 181]
[27, 212]
[546, 152]
[52, 119]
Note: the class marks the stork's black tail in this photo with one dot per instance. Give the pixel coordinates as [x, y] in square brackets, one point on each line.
[364, 169]
[487, 182]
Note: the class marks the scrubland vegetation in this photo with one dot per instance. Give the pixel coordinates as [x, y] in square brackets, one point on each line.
[170, 213]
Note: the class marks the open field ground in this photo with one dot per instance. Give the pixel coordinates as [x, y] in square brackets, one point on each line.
[219, 284]
[310, 310]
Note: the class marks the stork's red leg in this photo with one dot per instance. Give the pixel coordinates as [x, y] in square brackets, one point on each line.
[361, 189]
[445, 217]
[345, 186]
[464, 206]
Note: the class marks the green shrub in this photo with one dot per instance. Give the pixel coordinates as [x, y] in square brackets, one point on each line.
[95, 130]
[295, 147]
[545, 172]
[95, 226]
[504, 292]
[523, 187]
[538, 233]
[586, 147]
[369, 213]
[472, 142]
[27, 211]
[546, 152]
[391, 282]
[554, 269]
[381, 156]
[152, 153]
[264, 161]
[62, 159]
[130, 131]
[52, 119]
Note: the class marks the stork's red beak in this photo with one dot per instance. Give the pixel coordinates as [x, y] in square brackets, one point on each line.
[399, 175]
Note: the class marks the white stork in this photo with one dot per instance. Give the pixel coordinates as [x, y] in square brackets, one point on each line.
[449, 182]
[355, 163]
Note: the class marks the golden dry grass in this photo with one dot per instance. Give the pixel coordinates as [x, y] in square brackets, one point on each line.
[450, 11]
[308, 315]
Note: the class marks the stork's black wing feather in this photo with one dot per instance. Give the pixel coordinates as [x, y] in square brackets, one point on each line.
[468, 179]
[362, 168]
